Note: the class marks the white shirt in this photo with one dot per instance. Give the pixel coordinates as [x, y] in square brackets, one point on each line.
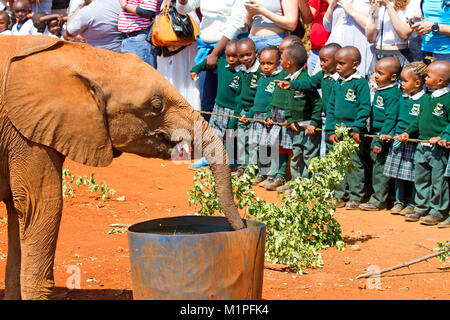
[440, 92]
[219, 18]
[6, 32]
[390, 36]
[27, 28]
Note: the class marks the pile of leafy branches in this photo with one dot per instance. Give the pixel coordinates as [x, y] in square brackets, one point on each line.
[68, 178]
[304, 223]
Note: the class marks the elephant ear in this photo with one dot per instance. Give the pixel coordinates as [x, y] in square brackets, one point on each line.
[51, 101]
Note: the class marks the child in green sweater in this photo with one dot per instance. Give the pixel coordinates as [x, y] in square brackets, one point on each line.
[269, 60]
[349, 104]
[432, 188]
[383, 118]
[303, 115]
[228, 89]
[250, 72]
[400, 159]
[323, 80]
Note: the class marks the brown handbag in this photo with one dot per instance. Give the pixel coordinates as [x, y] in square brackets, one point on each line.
[163, 33]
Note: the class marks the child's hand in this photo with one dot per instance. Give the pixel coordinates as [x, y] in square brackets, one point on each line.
[283, 85]
[434, 140]
[194, 76]
[402, 137]
[291, 126]
[333, 138]
[244, 119]
[269, 122]
[356, 136]
[385, 137]
[377, 149]
[443, 143]
[310, 130]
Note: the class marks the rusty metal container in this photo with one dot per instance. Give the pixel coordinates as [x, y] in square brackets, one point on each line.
[196, 258]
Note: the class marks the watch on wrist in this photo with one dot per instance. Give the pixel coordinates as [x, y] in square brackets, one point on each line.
[435, 27]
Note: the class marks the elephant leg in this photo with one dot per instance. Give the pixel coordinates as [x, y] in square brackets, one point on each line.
[37, 195]
[12, 274]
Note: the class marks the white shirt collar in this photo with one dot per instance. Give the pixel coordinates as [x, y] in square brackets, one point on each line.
[415, 96]
[387, 87]
[237, 67]
[355, 75]
[295, 74]
[334, 76]
[439, 92]
[253, 68]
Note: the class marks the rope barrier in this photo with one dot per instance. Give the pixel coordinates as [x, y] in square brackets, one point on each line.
[317, 129]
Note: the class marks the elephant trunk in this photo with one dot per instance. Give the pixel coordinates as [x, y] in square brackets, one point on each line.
[215, 153]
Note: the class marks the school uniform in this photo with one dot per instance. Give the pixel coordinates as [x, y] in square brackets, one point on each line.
[260, 154]
[277, 136]
[228, 89]
[322, 81]
[25, 28]
[249, 84]
[349, 104]
[385, 108]
[432, 190]
[304, 108]
[400, 159]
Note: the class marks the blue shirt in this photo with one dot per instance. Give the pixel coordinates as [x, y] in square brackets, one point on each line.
[436, 11]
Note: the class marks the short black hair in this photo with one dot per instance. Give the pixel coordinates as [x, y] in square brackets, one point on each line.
[293, 39]
[333, 45]
[272, 48]
[297, 54]
[246, 40]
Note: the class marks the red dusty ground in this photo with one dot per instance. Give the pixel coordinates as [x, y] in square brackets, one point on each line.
[156, 188]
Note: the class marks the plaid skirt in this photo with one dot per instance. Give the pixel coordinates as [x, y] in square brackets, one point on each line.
[220, 123]
[275, 132]
[400, 161]
[257, 128]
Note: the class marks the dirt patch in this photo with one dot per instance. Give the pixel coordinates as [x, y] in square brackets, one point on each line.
[156, 188]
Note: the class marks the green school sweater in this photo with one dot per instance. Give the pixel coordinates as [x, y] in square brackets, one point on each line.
[409, 109]
[316, 81]
[249, 84]
[349, 103]
[304, 105]
[264, 92]
[433, 119]
[228, 83]
[385, 108]
[280, 97]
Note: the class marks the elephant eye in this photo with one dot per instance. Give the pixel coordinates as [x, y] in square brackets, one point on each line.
[156, 105]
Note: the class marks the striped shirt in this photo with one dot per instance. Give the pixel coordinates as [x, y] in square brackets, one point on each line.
[129, 22]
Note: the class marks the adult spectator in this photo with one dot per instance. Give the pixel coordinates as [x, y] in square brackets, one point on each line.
[41, 6]
[97, 23]
[389, 29]
[312, 11]
[271, 20]
[176, 68]
[221, 22]
[60, 6]
[434, 28]
[134, 19]
[346, 21]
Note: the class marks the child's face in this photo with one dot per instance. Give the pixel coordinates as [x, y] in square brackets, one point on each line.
[411, 83]
[433, 79]
[269, 61]
[345, 65]
[247, 54]
[20, 10]
[3, 24]
[54, 27]
[383, 76]
[231, 55]
[327, 61]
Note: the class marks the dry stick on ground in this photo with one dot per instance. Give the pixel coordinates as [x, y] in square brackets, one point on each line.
[402, 265]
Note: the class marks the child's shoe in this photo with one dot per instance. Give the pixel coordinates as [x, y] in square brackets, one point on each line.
[369, 207]
[352, 205]
[430, 220]
[415, 216]
[445, 223]
[258, 179]
[398, 208]
[198, 164]
[239, 172]
[409, 209]
[283, 188]
[277, 182]
[265, 182]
